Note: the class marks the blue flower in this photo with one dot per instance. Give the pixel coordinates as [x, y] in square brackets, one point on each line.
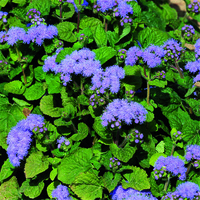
[193, 66]
[61, 193]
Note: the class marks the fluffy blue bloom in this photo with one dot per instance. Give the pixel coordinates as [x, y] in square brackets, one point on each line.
[37, 34]
[197, 78]
[62, 140]
[192, 152]
[133, 55]
[19, 138]
[3, 36]
[110, 79]
[130, 194]
[120, 110]
[106, 4]
[16, 34]
[187, 190]
[173, 50]
[152, 55]
[171, 164]
[193, 66]
[124, 8]
[61, 193]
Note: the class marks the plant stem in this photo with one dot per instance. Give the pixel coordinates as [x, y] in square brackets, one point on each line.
[124, 142]
[78, 20]
[179, 70]
[167, 183]
[117, 137]
[173, 147]
[148, 86]
[188, 169]
[82, 88]
[145, 72]
[106, 25]
[60, 11]
[20, 59]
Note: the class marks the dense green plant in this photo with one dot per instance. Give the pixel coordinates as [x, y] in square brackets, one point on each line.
[98, 95]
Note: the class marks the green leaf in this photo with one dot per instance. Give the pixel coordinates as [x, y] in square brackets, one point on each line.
[83, 100]
[6, 170]
[82, 132]
[53, 173]
[34, 92]
[152, 36]
[65, 31]
[42, 6]
[155, 157]
[39, 73]
[90, 184]
[3, 3]
[103, 54]
[191, 131]
[158, 83]
[53, 83]
[62, 54]
[36, 163]
[137, 179]
[100, 130]
[195, 105]
[20, 102]
[9, 189]
[160, 147]
[100, 36]
[168, 13]
[110, 181]
[47, 107]
[20, 2]
[32, 188]
[90, 22]
[190, 91]
[15, 87]
[123, 154]
[58, 153]
[67, 10]
[9, 117]
[132, 80]
[73, 165]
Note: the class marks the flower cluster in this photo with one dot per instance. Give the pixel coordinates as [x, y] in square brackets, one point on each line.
[108, 79]
[19, 138]
[62, 141]
[120, 8]
[187, 190]
[97, 99]
[193, 154]
[78, 62]
[120, 110]
[173, 165]
[193, 67]
[177, 135]
[160, 75]
[136, 136]
[34, 15]
[61, 193]
[122, 54]
[130, 94]
[35, 34]
[194, 7]
[3, 16]
[119, 193]
[197, 78]
[152, 56]
[188, 31]
[197, 49]
[173, 50]
[4, 66]
[114, 163]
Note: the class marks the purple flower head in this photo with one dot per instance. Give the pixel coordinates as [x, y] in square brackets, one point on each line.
[193, 67]
[105, 5]
[62, 140]
[133, 55]
[197, 78]
[171, 164]
[16, 34]
[125, 111]
[192, 153]
[3, 36]
[130, 194]
[61, 193]
[124, 8]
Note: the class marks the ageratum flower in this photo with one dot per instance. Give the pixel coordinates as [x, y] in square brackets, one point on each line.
[193, 67]
[120, 110]
[108, 79]
[197, 78]
[119, 193]
[170, 164]
[19, 138]
[187, 190]
[61, 193]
